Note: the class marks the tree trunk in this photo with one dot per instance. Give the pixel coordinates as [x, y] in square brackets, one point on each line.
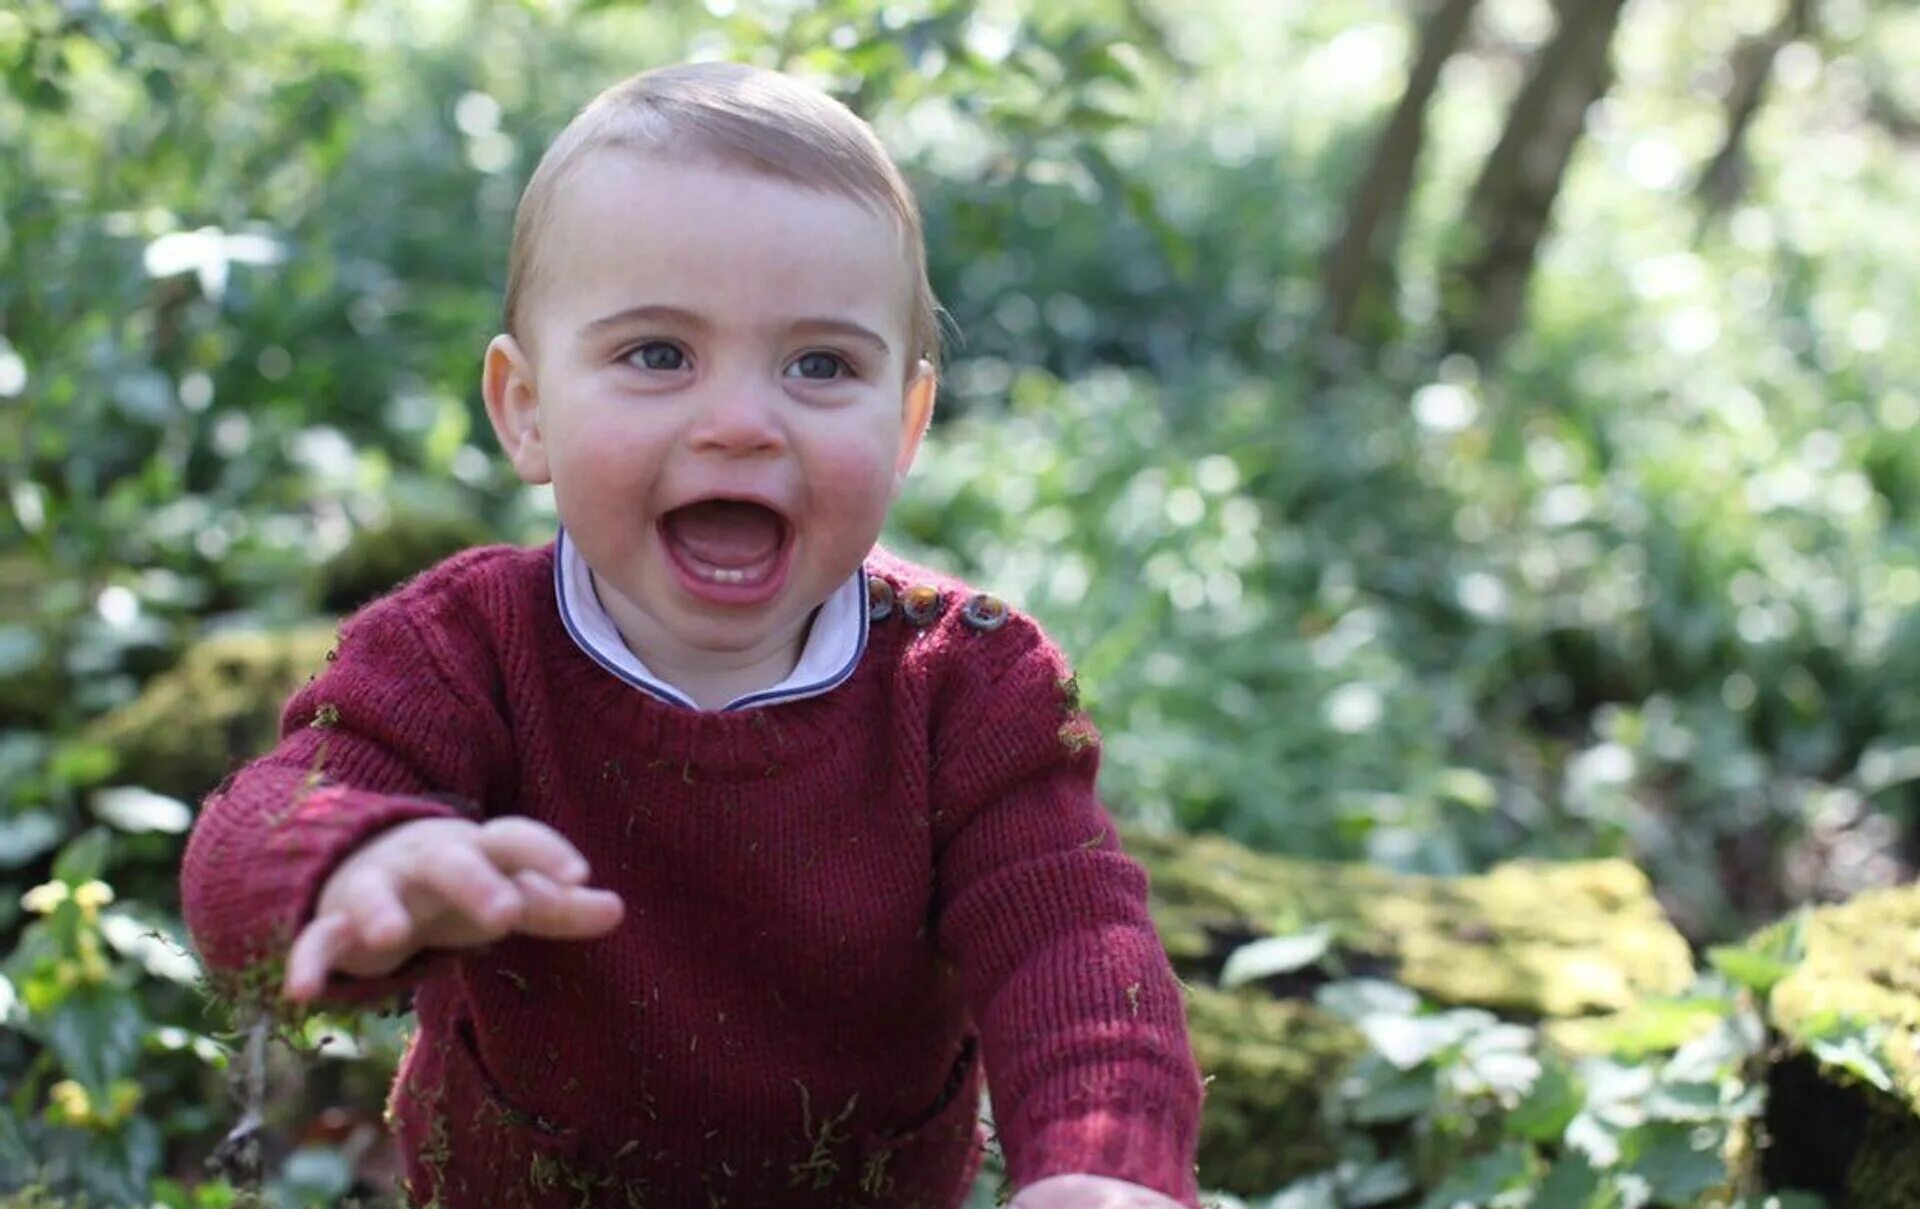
[1725, 177]
[1359, 267]
[1513, 199]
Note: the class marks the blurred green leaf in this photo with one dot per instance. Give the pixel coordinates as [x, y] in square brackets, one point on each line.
[20, 649]
[85, 858]
[25, 837]
[1549, 1106]
[134, 809]
[1573, 1183]
[1854, 1046]
[1480, 1179]
[1762, 963]
[1680, 1163]
[95, 1034]
[1272, 955]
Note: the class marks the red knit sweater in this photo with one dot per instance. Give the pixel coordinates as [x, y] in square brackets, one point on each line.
[841, 912]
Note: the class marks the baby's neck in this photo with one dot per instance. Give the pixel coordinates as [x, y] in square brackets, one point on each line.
[711, 686]
[710, 679]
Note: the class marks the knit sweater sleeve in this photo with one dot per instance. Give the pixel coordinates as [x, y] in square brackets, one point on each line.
[1082, 1024]
[401, 724]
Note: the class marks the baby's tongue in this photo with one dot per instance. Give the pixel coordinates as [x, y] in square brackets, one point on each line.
[725, 533]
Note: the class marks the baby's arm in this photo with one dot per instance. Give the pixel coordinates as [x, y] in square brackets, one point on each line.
[401, 725]
[1081, 1019]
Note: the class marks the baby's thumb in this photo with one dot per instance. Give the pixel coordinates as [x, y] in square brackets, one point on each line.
[314, 953]
[566, 912]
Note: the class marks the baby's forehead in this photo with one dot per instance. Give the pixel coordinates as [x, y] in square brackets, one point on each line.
[610, 167]
[616, 201]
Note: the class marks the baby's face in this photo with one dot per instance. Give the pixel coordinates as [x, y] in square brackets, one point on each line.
[722, 396]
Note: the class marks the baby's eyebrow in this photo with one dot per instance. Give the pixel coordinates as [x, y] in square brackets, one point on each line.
[841, 327]
[645, 312]
[679, 317]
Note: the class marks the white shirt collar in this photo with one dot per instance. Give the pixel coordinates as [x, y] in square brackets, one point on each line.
[835, 642]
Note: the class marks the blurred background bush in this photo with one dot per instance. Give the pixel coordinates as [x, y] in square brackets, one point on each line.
[1441, 431]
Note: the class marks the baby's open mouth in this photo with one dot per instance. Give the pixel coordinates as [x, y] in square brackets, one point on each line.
[726, 542]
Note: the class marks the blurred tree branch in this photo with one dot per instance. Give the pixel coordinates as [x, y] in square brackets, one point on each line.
[1725, 178]
[1360, 265]
[1512, 200]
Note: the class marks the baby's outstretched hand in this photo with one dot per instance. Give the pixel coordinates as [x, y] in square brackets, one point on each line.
[442, 884]
[1089, 1192]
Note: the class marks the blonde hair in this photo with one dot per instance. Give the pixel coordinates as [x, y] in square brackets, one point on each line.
[739, 116]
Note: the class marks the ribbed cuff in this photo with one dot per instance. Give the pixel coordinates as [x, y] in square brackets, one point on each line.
[253, 899]
[328, 825]
[1125, 1146]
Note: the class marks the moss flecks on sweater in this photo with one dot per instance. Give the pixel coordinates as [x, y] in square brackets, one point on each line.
[1532, 938]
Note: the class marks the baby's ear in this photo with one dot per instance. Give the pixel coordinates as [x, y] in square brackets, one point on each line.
[513, 404]
[916, 412]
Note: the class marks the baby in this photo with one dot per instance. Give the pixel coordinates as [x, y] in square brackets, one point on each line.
[724, 854]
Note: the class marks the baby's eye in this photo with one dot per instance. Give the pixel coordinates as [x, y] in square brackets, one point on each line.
[658, 355]
[820, 367]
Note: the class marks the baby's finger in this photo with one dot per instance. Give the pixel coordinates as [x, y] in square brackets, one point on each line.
[567, 912]
[515, 842]
[313, 954]
[379, 918]
[466, 881]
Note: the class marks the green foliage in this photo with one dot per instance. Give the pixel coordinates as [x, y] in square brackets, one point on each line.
[1456, 1107]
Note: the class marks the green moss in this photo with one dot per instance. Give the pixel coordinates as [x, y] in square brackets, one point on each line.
[375, 561]
[1530, 938]
[1861, 962]
[34, 688]
[1568, 942]
[1267, 1063]
[1861, 965]
[214, 709]
[1885, 1173]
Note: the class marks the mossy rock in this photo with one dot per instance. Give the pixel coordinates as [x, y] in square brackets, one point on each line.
[218, 707]
[378, 560]
[32, 684]
[1527, 938]
[1268, 1063]
[213, 711]
[1831, 1130]
[1562, 943]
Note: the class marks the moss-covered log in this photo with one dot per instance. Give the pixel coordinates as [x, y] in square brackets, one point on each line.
[1528, 938]
[1854, 995]
[1555, 942]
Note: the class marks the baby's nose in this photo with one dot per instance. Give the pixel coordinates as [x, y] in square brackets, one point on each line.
[740, 420]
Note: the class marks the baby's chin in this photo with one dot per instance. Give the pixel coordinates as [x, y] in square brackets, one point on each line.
[702, 629]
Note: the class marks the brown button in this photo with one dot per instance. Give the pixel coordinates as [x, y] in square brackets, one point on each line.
[984, 612]
[879, 599]
[921, 604]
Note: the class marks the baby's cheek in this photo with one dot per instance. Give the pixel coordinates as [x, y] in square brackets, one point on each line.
[857, 477]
